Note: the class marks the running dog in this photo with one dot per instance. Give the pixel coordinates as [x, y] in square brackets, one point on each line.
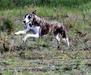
[41, 27]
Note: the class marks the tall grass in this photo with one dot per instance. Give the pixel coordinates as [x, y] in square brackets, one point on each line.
[51, 3]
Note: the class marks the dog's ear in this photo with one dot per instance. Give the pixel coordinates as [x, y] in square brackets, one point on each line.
[34, 12]
[25, 15]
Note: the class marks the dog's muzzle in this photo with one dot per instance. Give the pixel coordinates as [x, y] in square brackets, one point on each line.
[24, 22]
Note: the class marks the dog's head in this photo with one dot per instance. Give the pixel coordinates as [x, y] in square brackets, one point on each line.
[30, 18]
[27, 18]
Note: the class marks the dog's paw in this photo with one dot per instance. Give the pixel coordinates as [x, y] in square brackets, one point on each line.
[24, 40]
[16, 33]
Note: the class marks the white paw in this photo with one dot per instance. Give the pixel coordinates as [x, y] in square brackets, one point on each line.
[24, 40]
[16, 33]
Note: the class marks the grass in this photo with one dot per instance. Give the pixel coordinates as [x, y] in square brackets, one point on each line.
[58, 63]
[72, 61]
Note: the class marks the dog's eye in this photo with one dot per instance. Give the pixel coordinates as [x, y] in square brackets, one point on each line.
[29, 17]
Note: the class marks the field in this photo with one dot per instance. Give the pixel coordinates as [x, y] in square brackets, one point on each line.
[41, 56]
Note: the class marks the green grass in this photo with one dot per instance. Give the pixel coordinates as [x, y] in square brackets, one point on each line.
[4, 4]
[62, 63]
[57, 62]
[52, 13]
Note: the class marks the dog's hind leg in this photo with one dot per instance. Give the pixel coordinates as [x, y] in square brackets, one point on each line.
[64, 36]
[58, 40]
[66, 40]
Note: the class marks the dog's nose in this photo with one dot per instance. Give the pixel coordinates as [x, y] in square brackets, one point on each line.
[24, 21]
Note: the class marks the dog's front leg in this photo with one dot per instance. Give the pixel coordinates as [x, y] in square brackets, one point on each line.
[20, 32]
[30, 35]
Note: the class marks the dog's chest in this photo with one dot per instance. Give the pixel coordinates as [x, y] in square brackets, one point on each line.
[34, 29]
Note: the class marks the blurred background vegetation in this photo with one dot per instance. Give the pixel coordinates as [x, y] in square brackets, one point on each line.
[51, 3]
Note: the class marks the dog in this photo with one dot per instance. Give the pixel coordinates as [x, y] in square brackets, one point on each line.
[41, 27]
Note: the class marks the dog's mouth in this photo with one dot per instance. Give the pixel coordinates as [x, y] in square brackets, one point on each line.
[30, 24]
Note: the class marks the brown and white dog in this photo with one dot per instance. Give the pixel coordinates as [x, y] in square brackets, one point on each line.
[41, 27]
